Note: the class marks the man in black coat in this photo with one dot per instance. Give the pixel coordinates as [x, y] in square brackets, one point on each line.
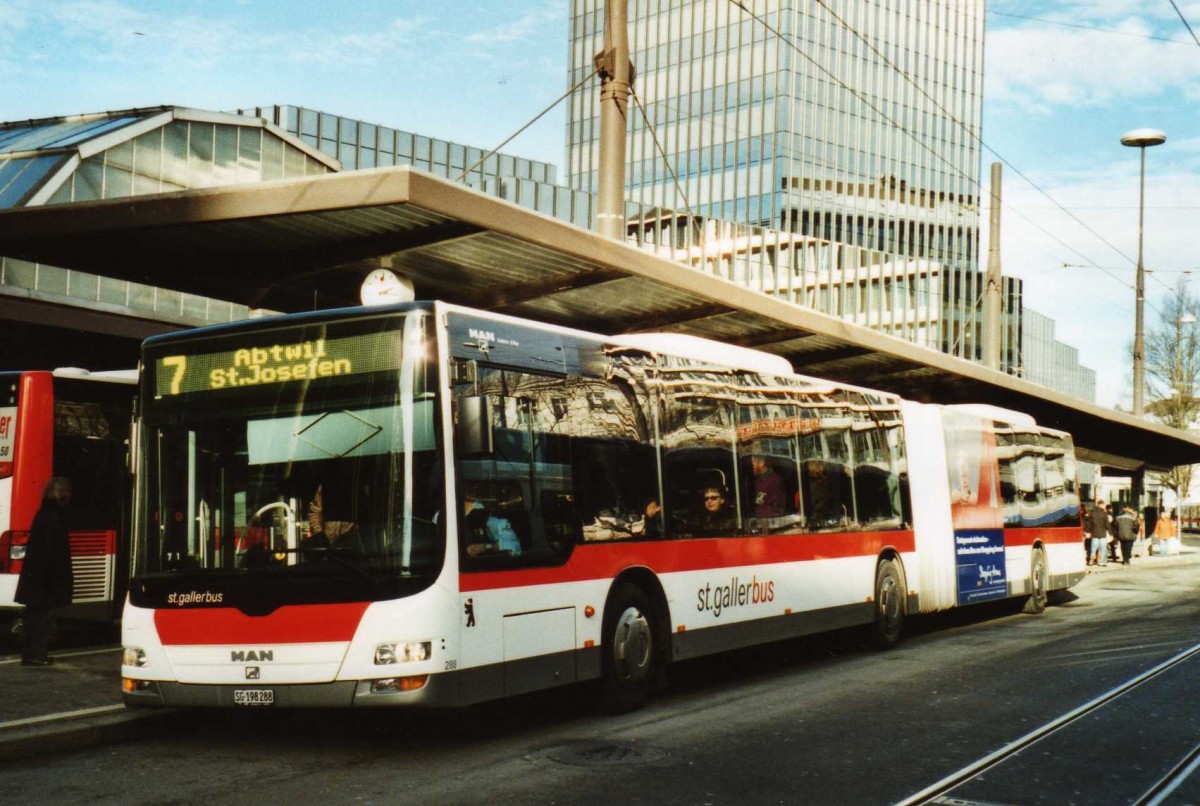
[46, 581]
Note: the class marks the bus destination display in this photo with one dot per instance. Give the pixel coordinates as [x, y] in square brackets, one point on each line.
[280, 362]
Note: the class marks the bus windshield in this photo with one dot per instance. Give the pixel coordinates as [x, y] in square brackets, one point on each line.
[303, 453]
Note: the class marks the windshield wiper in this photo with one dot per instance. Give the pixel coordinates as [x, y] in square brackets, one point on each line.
[325, 552]
[331, 554]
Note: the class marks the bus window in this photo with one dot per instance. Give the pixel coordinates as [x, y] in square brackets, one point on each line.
[515, 501]
[614, 468]
[825, 453]
[89, 448]
[767, 462]
[878, 491]
[698, 442]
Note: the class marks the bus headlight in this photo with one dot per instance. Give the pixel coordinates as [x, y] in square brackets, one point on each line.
[134, 656]
[16, 552]
[387, 654]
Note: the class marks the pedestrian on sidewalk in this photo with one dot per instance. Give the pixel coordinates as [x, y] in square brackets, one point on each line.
[1097, 531]
[46, 580]
[1164, 532]
[1113, 544]
[1128, 528]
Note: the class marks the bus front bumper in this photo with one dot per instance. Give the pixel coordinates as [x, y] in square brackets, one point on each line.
[338, 694]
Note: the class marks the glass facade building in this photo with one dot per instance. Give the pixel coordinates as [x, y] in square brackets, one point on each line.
[853, 124]
[1050, 362]
[358, 145]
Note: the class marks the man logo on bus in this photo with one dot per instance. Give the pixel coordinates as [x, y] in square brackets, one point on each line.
[469, 609]
[252, 656]
[483, 336]
[252, 673]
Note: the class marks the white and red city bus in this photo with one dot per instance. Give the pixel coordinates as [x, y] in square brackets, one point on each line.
[430, 505]
[73, 423]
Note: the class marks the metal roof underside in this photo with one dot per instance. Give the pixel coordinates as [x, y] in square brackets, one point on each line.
[298, 244]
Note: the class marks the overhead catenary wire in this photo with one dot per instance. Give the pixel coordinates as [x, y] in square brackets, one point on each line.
[532, 121]
[662, 153]
[967, 129]
[1183, 19]
[971, 180]
[1098, 29]
[883, 115]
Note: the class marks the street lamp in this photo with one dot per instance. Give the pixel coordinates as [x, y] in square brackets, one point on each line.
[1143, 139]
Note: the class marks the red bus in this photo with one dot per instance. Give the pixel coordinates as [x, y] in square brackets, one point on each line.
[73, 423]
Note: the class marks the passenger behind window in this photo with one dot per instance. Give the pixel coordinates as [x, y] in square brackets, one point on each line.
[485, 532]
[716, 518]
[770, 490]
[824, 499]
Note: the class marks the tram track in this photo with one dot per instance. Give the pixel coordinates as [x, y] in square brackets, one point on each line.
[936, 793]
[1165, 786]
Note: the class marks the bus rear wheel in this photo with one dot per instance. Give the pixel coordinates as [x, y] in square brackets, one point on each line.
[630, 650]
[888, 628]
[1039, 580]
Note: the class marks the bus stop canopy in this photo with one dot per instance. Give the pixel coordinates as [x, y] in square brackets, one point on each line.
[298, 244]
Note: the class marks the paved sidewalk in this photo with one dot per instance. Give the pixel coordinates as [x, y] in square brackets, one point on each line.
[76, 703]
[1189, 553]
[73, 704]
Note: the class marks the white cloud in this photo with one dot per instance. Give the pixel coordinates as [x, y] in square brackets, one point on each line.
[1037, 64]
[384, 44]
[520, 30]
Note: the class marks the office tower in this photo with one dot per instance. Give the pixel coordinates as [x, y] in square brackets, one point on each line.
[852, 124]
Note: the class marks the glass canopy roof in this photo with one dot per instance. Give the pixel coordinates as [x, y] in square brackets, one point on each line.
[52, 134]
[49, 161]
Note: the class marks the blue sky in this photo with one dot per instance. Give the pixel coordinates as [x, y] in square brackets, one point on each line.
[1060, 89]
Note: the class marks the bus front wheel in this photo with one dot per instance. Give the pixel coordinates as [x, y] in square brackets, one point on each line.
[888, 626]
[1039, 581]
[630, 649]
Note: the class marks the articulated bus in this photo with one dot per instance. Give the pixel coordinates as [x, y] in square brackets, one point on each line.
[73, 423]
[427, 505]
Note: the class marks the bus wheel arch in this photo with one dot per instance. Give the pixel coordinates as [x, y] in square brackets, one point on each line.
[890, 602]
[635, 641]
[1039, 581]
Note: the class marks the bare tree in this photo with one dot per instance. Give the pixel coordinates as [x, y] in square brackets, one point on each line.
[1173, 373]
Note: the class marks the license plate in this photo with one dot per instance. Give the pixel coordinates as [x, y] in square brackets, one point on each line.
[253, 696]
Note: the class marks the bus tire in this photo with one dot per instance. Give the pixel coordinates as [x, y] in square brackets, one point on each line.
[631, 654]
[888, 627]
[1039, 581]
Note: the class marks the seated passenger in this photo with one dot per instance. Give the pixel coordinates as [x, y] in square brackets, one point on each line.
[716, 518]
[484, 532]
[770, 491]
[824, 495]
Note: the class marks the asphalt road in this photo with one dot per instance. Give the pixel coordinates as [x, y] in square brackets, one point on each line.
[820, 721]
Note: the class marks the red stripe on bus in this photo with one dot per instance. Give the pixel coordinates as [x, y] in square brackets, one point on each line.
[1054, 534]
[606, 560]
[295, 624]
[89, 544]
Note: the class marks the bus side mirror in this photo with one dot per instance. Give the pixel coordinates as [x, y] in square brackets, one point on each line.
[473, 434]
